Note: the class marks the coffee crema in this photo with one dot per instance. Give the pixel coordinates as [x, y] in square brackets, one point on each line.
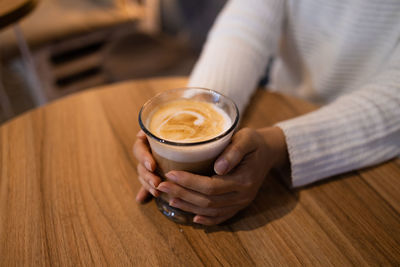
[188, 121]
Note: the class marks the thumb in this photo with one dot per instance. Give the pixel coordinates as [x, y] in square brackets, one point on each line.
[241, 145]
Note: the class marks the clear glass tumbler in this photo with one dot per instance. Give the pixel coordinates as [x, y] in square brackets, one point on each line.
[196, 157]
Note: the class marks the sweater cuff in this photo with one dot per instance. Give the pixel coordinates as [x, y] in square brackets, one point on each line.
[335, 139]
[310, 149]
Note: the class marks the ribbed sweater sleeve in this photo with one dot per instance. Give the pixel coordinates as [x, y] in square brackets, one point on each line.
[357, 130]
[235, 55]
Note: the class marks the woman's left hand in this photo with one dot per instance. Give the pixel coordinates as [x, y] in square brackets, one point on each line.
[241, 169]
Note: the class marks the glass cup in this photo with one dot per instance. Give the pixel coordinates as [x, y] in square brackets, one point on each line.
[195, 157]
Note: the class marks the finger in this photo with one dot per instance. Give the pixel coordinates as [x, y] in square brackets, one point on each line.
[142, 195]
[148, 187]
[151, 179]
[198, 199]
[176, 191]
[206, 220]
[203, 184]
[141, 151]
[209, 212]
[242, 144]
[141, 134]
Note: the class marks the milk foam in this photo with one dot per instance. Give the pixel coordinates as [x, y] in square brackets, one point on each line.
[190, 153]
[201, 121]
[188, 121]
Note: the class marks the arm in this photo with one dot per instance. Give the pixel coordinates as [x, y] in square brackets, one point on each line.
[235, 56]
[240, 33]
[357, 130]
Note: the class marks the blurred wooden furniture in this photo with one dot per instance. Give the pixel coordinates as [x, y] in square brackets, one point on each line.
[55, 20]
[11, 11]
[68, 183]
[69, 39]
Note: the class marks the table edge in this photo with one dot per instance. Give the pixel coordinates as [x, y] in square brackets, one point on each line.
[18, 13]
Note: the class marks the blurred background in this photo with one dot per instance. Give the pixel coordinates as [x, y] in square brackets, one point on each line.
[52, 48]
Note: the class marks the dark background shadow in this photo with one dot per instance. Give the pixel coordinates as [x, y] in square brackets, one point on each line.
[274, 200]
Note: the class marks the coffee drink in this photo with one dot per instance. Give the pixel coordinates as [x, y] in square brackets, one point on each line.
[188, 121]
[187, 129]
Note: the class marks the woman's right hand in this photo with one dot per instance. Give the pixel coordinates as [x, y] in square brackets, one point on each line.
[145, 168]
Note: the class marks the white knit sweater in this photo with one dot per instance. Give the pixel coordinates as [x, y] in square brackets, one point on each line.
[343, 53]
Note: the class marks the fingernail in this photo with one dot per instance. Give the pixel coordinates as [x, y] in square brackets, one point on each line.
[173, 203]
[152, 184]
[221, 166]
[197, 219]
[163, 188]
[171, 176]
[148, 165]
[154, 192]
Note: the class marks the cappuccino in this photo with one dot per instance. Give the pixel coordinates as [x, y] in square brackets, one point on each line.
[188, 121]
[187, 129]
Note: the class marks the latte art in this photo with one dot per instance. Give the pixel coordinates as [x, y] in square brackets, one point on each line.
[188, 121]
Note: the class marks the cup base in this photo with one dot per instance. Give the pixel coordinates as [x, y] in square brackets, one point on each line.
[174, 214]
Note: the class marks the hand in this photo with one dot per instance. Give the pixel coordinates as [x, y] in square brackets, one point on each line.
[241, 169]
[145, 168]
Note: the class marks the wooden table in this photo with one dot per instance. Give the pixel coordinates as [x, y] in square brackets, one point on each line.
[13, 10]
[68, 184]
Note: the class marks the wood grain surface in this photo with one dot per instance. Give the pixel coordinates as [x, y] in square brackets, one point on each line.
[68, 183]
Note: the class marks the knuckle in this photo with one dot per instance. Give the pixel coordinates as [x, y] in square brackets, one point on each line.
[136, 148]
[208, 222]
[143, 182]
[177, 191]
[244, 183]
[236, 150]
[218, 221]
[247, 137]
[212, 221]
[147, 176]
[138, 169]
[245, 132]
[135, 144]
[209, 190]
[207, 203]
[247, 185]
[133, 149]
[245, 200]
[215, 212]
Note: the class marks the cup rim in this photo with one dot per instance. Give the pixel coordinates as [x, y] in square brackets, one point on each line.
[173, 143]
